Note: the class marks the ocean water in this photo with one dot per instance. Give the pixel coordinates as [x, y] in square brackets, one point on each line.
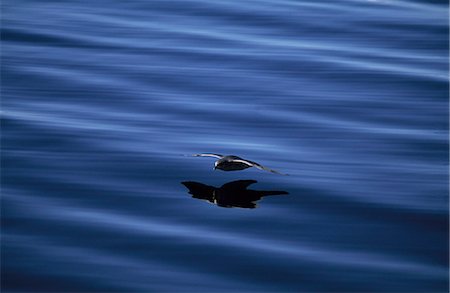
[104, 102]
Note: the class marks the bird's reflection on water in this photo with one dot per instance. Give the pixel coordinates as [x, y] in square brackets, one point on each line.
[231, 194]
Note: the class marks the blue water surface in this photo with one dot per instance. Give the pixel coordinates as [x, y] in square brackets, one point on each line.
[103, 102]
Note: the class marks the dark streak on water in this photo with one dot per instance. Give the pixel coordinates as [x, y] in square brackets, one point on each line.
[101, 101]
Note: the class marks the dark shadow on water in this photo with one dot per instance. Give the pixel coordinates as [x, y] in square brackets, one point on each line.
[231, 194]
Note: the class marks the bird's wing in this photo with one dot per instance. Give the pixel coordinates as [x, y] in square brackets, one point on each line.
[209, 155]
[256, 165]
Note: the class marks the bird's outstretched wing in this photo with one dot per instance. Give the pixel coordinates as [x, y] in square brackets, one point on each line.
[256, 165]
[208, 155]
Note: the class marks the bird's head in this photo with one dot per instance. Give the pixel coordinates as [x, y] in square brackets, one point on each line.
[216, 164]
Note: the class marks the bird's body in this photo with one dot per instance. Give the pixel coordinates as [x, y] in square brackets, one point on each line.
[234, 163]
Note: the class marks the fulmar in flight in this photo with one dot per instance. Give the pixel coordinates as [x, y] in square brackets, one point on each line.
[234, 163]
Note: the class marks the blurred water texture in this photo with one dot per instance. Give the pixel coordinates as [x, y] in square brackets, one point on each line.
[103, 100]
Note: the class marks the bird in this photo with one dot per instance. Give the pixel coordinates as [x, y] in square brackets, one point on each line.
[234, 163]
